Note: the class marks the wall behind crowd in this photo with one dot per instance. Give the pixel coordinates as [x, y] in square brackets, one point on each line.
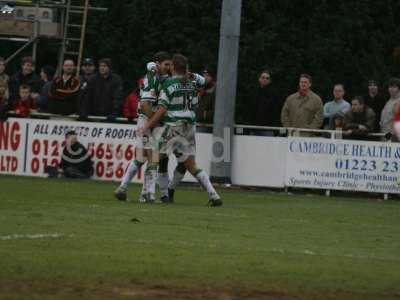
[335, 41]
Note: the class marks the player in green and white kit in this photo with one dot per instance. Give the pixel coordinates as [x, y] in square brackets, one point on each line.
[145, 144]
[176, 109]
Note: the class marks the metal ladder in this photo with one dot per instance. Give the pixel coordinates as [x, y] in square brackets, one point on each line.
[74, 31]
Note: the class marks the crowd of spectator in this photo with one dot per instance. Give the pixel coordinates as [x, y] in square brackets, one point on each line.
[95, 92]
[99, 92]
[304, 109]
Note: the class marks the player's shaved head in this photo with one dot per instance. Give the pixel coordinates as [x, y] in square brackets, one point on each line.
[180, 63]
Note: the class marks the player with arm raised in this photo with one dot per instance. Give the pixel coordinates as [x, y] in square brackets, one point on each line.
[176, 109]
[180, 170]
[145, 143]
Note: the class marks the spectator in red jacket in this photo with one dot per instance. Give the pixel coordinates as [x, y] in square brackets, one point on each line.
[24, 104]
[129, 109]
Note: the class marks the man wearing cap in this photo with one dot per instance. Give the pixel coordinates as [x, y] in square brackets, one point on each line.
[104, 95]
[75, 160]
[375, 101]
[88, 70]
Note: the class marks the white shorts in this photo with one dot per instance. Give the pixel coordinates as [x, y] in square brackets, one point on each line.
[145, 141]
[178, 139]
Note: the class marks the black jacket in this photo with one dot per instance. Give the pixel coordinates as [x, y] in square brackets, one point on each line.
[377, 104]
[63, 96]
[104, 96]
[265, 108]
[32, 80]
[77, 157]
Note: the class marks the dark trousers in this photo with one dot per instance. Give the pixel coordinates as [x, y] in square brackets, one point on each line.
[73, 172]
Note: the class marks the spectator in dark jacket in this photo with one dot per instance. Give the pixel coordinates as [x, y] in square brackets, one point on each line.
[88, 70]
[266, 108]
[75, 160]
[205, 111]
[25, 76]
[104, 95]
[3, 76]
[47, 75]
[376, 101]
[64, 91]
[3, 99]
[359, 121]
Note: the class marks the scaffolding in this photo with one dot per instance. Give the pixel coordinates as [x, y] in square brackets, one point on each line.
[69, 30]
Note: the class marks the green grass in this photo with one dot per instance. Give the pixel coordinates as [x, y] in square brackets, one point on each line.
[266, 242]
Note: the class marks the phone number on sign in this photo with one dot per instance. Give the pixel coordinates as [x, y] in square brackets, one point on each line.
[368, 165]
[110, 160]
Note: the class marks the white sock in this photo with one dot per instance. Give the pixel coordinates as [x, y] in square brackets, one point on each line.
[129, 174]
[150, 179]
[144, 187]
[163, 181]
[178, 176]
[204, 181]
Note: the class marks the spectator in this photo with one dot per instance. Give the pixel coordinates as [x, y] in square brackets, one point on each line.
[131, 102]
[3, 99]
[205, 110]
[359, 121]
[88, 70]
[64, 91]
[337, 105]
[25, 76]
[75, 160]
[24, 104]
[375, 100]
[337, 122]
[104, 94]
[3, 76]
[47, 75]
[303, 109]
[265, 107]
[391, 106]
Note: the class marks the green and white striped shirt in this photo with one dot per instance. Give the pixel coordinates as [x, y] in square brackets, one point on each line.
[179, 97]
[150, 90]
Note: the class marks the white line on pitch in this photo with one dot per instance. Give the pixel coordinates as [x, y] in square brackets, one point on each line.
[30, 236]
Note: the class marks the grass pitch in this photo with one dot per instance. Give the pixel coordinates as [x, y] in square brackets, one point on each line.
[62, 239]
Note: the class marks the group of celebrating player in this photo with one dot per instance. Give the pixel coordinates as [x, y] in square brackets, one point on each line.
[166, 125]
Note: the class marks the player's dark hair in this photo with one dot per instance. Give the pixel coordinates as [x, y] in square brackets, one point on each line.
[161, 56]
[180, 63]
[359, 99]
